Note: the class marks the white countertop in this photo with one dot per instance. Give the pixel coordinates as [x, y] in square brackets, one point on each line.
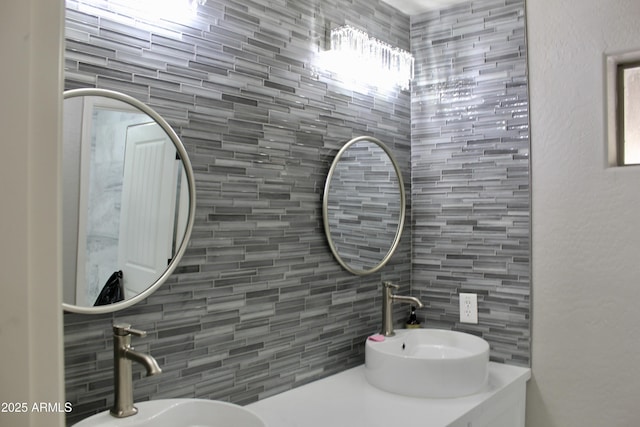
[347, 400]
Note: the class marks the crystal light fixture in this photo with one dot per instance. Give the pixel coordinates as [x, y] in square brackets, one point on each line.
[193, 4]
[366, 55]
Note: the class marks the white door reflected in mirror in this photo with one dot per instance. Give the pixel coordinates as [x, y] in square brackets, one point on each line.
[148, 206]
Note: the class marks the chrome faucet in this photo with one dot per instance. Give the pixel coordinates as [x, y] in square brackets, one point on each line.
[387, 300]
[123, 355]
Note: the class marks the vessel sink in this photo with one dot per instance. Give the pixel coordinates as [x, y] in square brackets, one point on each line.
[428, 363]
[179, 413]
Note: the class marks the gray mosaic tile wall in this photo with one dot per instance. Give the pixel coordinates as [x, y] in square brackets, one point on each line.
[470, 171]
[258, 304]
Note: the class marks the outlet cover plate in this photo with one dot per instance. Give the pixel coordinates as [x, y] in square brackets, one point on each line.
[469, 308]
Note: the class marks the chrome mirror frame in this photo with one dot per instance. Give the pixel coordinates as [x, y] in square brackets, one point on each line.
[325, 207]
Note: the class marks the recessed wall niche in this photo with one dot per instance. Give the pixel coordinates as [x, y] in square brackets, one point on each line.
[622, 91]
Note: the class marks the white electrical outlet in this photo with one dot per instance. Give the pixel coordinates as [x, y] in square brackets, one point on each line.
[469, 308]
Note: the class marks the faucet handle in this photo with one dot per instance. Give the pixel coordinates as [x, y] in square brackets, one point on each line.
[124, 329]
[389, 285]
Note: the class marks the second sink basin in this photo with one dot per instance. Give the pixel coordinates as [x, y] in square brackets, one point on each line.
[428, 363]
[179, 413]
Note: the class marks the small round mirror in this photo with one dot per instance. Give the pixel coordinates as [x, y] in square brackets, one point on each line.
[363, 205]
[128, 201]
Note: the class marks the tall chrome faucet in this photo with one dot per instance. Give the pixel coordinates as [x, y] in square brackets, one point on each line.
[123, 355]
[387, 300]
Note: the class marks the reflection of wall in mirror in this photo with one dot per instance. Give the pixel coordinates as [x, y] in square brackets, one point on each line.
[363, 205]
[72, 129]
[105, 193]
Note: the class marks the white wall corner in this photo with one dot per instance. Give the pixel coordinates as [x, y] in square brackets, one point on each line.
[31, 357]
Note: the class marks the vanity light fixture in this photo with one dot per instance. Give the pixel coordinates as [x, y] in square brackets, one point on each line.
[366, 57]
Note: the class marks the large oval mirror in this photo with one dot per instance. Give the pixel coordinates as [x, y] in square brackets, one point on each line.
[128, 201]
[363, 205]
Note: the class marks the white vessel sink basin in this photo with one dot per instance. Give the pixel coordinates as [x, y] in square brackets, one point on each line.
[179, 413]
[428, 363]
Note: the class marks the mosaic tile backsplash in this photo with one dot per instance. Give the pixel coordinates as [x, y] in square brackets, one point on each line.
[470, 171]
[259, 305]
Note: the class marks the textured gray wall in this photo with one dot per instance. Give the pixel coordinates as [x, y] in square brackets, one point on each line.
[470, 171]
[258, 304]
